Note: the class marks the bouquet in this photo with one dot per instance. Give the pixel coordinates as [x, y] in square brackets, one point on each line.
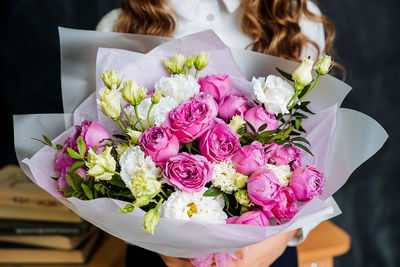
[179, 153]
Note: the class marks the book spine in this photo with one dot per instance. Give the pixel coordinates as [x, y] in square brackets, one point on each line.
[30, 202]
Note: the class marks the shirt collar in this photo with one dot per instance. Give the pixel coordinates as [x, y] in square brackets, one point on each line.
[187, 8]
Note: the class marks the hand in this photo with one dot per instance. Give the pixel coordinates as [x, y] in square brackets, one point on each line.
[264, 253]
[176, 262]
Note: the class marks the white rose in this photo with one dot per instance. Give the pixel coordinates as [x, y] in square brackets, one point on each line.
[273, 92]
[179, 87]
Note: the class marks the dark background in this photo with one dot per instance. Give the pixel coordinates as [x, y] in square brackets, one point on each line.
[367, 45]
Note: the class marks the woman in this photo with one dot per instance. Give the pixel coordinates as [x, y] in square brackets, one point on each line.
[291, 29]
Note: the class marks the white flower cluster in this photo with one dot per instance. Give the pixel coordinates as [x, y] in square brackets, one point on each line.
[273, 92]
[282, 172]
[158, 113]
[224, 177]
[179, 87]
[134, 163]
[185, 206]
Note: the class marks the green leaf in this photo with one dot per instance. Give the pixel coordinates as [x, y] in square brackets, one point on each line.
[285, 74]
[300, 115]
[73, 154]
[67, 189]
[189, 147]
[41, 141]
[128, 208]
[70, 182]
[97, 187]
[301, 139]
[262, 127]
[81, 147]
[212, 192]
[76, 166]
[94, 149]
[117, 181]
[251, 127]
[304, 91]
[286, 133]
[47, 140]
[226, 200]
[87, 191]
[119, 136]
[297, 123]
[304, 148]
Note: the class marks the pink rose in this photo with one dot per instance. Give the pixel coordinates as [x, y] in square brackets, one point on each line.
[230, 106]
[286, 206]
[216, 85]
[190, 120]
[306, 183]
[159, 143]
[188, 172]
[250, 158]
[219, 142]
[209, 100]
[258, 116]
[254, 217]
[280, 155]
[263, 188]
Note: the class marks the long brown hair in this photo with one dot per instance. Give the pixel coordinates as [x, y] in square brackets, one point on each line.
[273, 25]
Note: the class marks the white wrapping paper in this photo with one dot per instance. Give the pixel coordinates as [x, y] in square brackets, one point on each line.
[341, 139]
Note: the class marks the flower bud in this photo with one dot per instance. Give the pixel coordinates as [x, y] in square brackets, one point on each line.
[121, 148]
[133, 93]
[134, 136]
[324, 65]
[242, 197]
[244, 209]
[200, 61]
[236, 123]
[110, 103]
[110, 79]
[147, 187]
[176, 64]
[151, 219]
[142, 201]
[189, 62]
[302, 76]
[155, 99]
[240, 180]
[101, 166]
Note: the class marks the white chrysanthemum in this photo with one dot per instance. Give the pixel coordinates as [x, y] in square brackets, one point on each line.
[224, 176]
[282, 172]
[158, 113]
[185, 206]
[273, 92]
[134, 163]
[178, 86]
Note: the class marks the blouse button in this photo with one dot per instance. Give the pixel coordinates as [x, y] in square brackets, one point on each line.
[210, 17]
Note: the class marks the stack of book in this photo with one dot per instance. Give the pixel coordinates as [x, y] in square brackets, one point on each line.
[35, 228]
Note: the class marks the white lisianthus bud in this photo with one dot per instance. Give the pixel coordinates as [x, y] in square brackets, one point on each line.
[242, 197]
[155, 99]
[324, 65]
[200, 61]
[144, 186]
[240, 180]
[110, 103]
[133, 136]
[101, 166]
[302, 76]
[236, 123]
[142, 201]
[151, 219]
[110, 79]
[189, 62]
[133, 93]
[176, 64]
[121, 148]
[244, 209]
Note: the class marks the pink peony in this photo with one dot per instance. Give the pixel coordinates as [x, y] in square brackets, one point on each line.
[219, 142]
[187, 172]
[190, 120]
[159, 143]
[254, 217]
[258, 116]
[263, 188]
[216, 85]
[280, 155]
[250, 158]
[230, 106]
[306, 183]
[286, 206]
[209, 100]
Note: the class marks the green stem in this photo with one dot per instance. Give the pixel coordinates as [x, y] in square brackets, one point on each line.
[188, 72]
[312, 88]
[127, 118]
[165, 195]
[137, 116]
[148, 114]
[197, 74]
[120, 125]
[110, 171]
[159, 204]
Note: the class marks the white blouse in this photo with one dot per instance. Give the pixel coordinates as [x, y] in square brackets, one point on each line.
[224, 18]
